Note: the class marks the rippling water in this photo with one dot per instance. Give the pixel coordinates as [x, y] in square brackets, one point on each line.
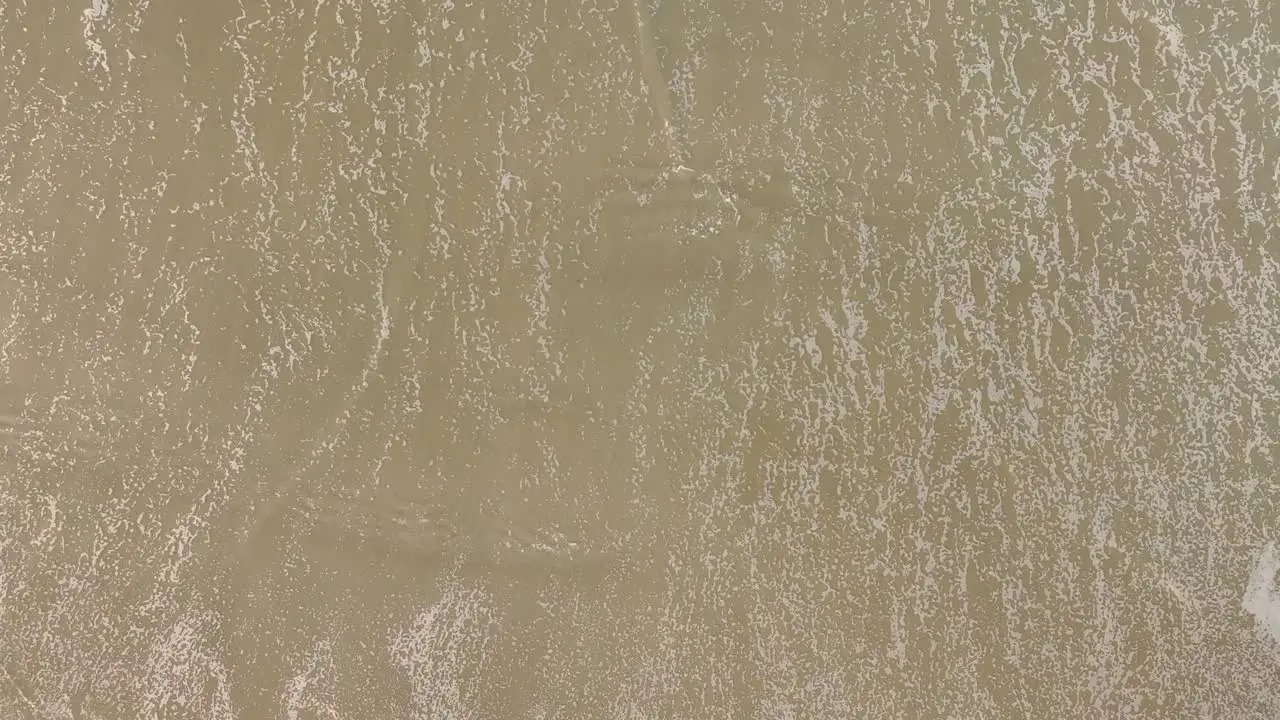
[679, 360]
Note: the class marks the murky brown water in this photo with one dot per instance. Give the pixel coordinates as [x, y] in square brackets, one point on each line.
[682, 360]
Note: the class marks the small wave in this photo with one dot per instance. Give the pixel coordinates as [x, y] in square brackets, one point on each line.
[1262, 596]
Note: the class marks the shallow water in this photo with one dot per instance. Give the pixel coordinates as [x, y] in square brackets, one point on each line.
[625, 360]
